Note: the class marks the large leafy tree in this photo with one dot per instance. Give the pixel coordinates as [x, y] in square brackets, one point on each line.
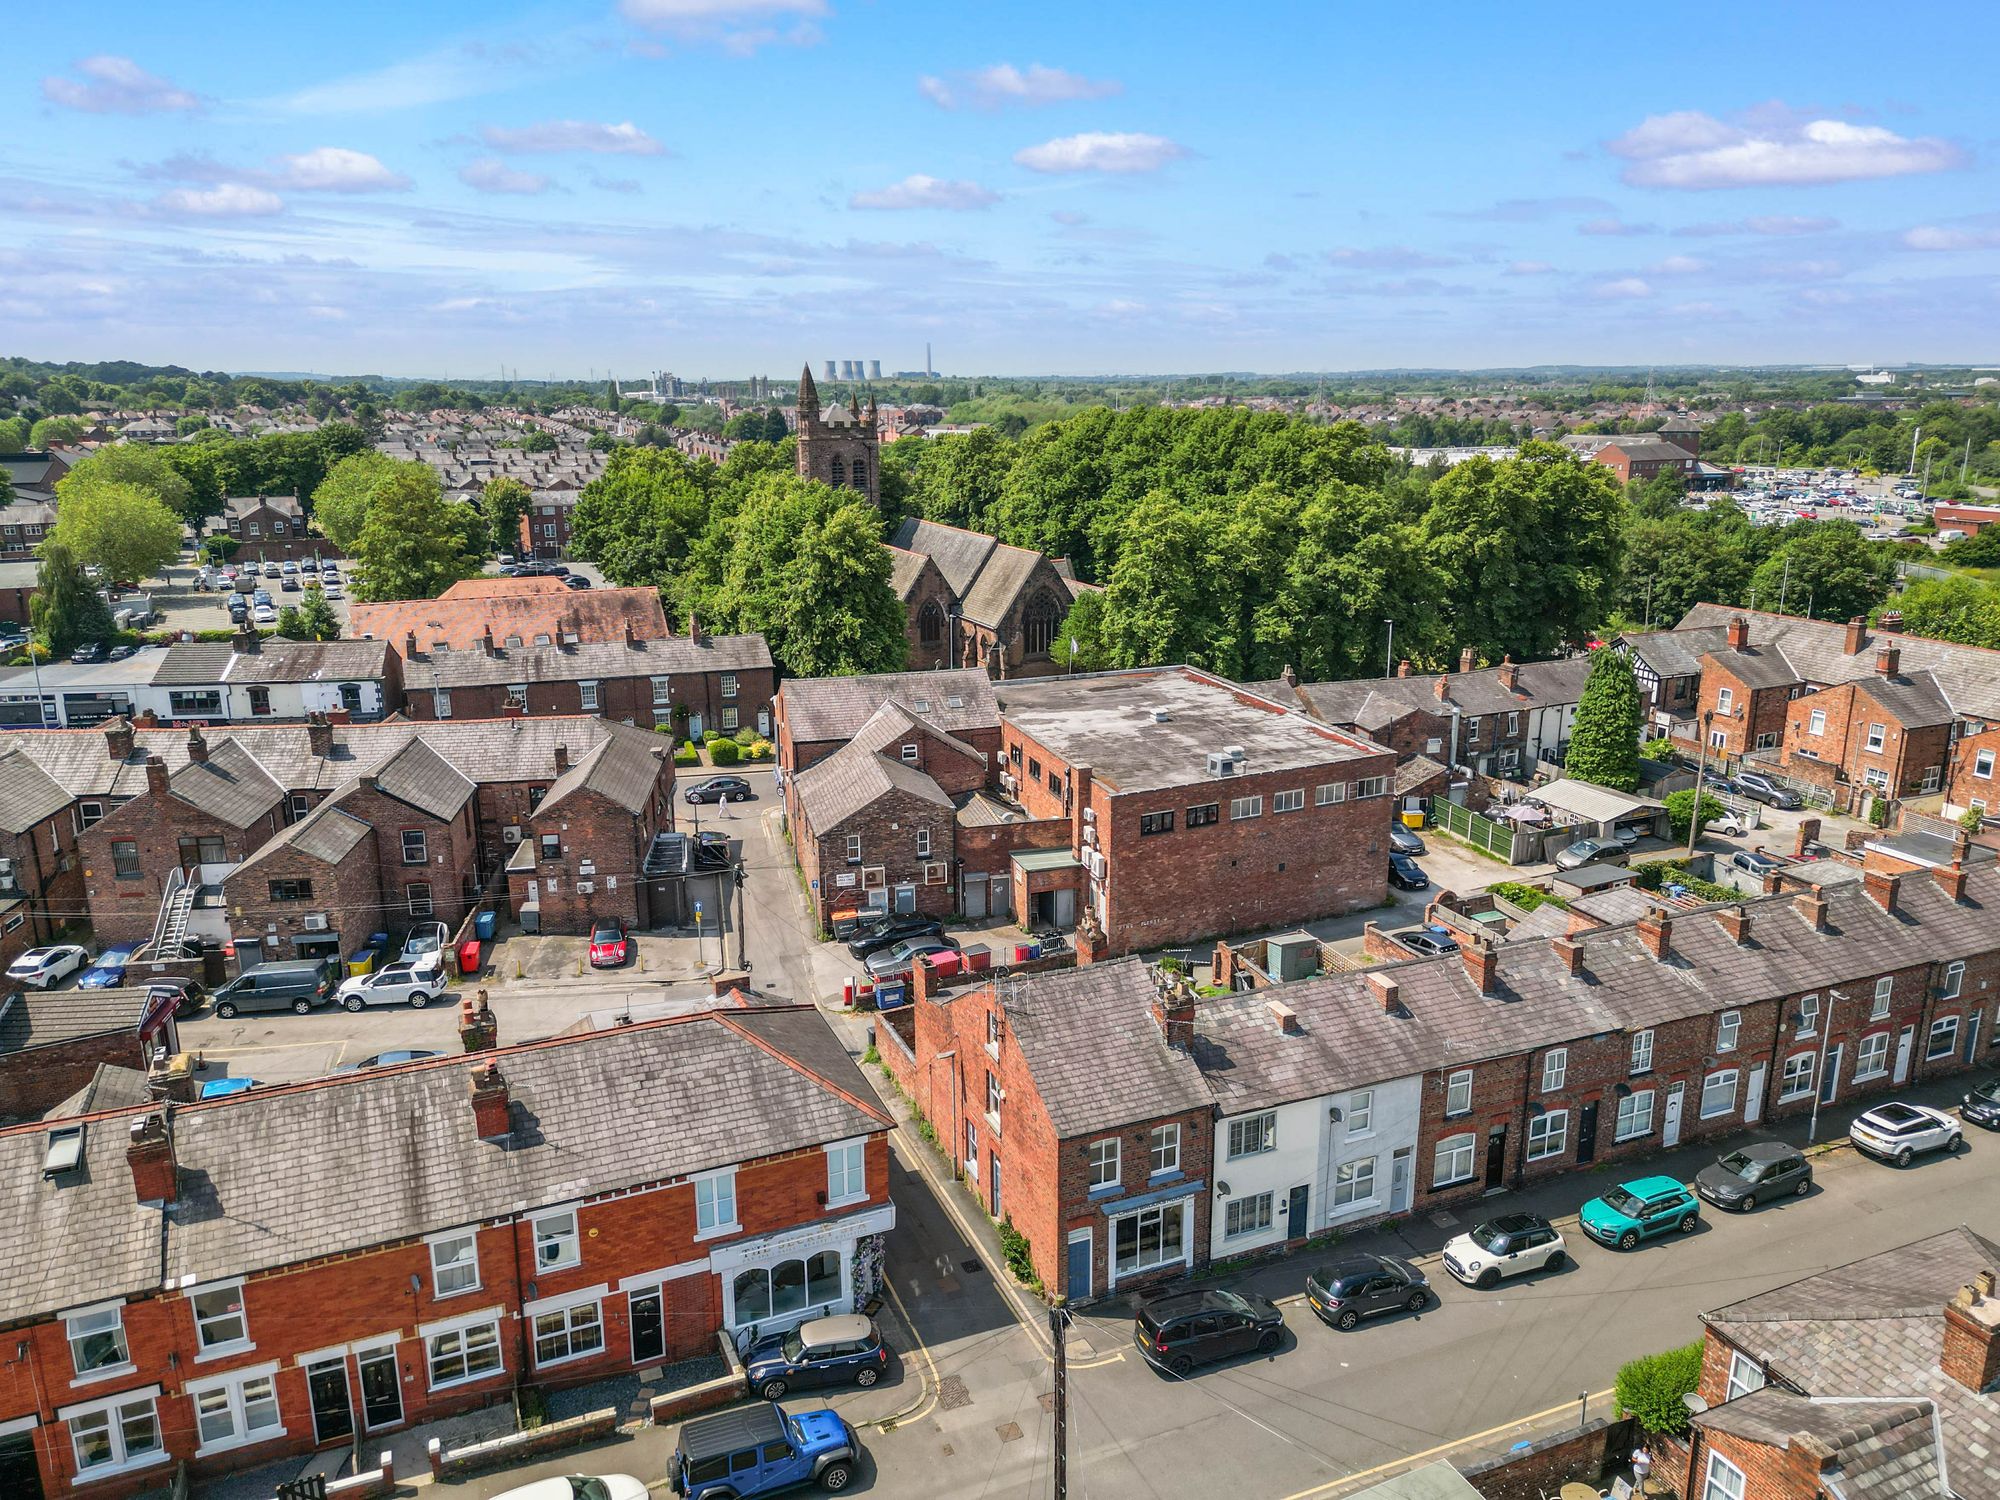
[415, 544]
[639, 520]
[505, 500]
[125, 531]
[66, 610]
[1604, 746]
[139, 465]
[1952, 609]
[54, 430]
[1827, 569]
[316, 619]
[340, 503]
[1685, 559]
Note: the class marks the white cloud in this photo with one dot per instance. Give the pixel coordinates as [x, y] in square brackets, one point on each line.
[739, 25]
[1614, 226]
[625, 139]
[1003, 84]
[1932, 237]
[1767, 224]
[1530, 268]
[1101, 151]
[335, 169]
[1678, 265]
[228, 200]
[114, 85]
[1692, 150]
[919, 191]
[491, 175]
[1624, 288]
[1386, 258]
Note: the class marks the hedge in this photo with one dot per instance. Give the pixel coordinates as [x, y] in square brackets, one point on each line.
[724, 752]
[686, 755]
[1527, 897]
[1651, 1387]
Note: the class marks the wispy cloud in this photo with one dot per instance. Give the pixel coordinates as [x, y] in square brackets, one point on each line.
[1623, 288]
[489, 174]
[1528, 210]
[450, 73]
[624, 139]
[919, 191]
[1934, 237]
[228, 200]
[1386, 258]
[740, 26]
[1003, 85]
[1613, 225]
[1677, 265]
[335, 169]
[616, 184]
[1102, 151]
[1530, 268]
[1691, 150]
[1770, 224]
[113, 85]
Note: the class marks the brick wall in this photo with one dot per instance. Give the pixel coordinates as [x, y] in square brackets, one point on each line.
[124, 911]
[1967, 785]
[1586, 1456]
[929, 606]
[629, 699]
[888, 829]
[604, 845]
[1754, 713]
[35, 1080]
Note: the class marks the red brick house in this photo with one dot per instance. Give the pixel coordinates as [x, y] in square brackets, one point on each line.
[1970, 519]
[40, 876]
[272, 528]
[583, 847]
[1745, 692]
[182, 1300]
[1974, 783]
[23, 526]
[818, 715]
[56, 1045]
[1891, 733]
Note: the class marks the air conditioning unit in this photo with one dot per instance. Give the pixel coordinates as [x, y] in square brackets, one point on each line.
[1220, 763]
[585, 887]
[1006, 781]
[313, 921]
[1089, 816]
[510, 835]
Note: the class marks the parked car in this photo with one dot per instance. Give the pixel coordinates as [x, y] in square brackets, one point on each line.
[1982, 1104]
[1638, 1210]
[334, 590]
[1345, 1291]
[1899, 1132]
[188, 994]
[1760, 788]
[760, 1450]
[609, 948]
[1731, 825]
[1406, 874]
[579, 1487]
[576, 581]
[412, 984]
[842, 1350]
[272, 570]
[1180, 1330]
[1590, 852]
[265, 614]
[890, 929]
[425, 937]
[1506, 1246]
[1403, 841]
[1760, 1171]
[108, 971]
[289, 583]
[296, 985]
[1756, 861]
[1429, 940]
[711, 851]
[892, 963]
[40, 968]
[720, 789]
[92, 651]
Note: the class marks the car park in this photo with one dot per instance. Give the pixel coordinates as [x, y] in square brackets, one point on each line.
[1176, 1331]
[1403, 841]
[1760, 788]
[890, 929]
[843, 1350]
[893, 963]
[579, 1487]
[609, 945]
[296, 985]
[393, 1059]
[1755, 1173]
[1406, 874]
[1429, 940]
[40, 968]
[107, 972]
[1345, 1291]
[1590, 852]
[333, 590]
[1638, 1210]
[719, 789]
[762, 1450]
[1901, 1132]
[411, 984]
[1982, 1104]
[1503, 1247]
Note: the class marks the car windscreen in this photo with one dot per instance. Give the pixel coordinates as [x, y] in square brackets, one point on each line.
[1489, 1237]
[1742, 1165]
[604, 934]
[795, 1347]
[1623, 1202]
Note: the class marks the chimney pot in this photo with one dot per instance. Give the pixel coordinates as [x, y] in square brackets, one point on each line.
[1403, 667]
[492, 1118]
[1467, 659]
[1971, 1353]
[197, 747]
[1952, 879]
[1443, 688]
[1510, 673]
[1174, 1010]
[1739, 633]
[150, 1154]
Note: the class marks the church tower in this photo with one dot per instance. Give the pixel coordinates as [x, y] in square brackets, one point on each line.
[841, 446]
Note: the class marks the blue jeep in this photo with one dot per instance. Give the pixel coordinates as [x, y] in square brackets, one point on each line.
[760, 1450]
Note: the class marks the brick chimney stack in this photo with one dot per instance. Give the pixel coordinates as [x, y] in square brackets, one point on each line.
[319, 736]
[1467, 659]
[1570, 952]
[478, 1027]
[492, 1118]
[150, 1154]
[197, 747]
[1952, 879]
[1443, 688]
[1173, 1008]
[1888, 660]
[1387, 992]
[1812, 907]
[1735, 921]
[1510, 674]
[1403, 667]
[1286, 1017]
[1656, 931]
[119, 740]
[486, 639]
[1482, 964]
[245, 642]
[1881, 888]
[1739, 633]
[409, 645]
[1857, 636]
[631, 632]
[156, 776]
[1971, 1354]
[562, 759]
[1807, 836]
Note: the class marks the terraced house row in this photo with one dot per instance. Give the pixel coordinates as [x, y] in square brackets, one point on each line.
[1132, 1131]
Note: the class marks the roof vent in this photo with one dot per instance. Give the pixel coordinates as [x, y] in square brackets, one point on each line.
[1160, 716]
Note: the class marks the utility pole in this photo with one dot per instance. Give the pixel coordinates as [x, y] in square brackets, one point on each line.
[1389, 654]
[1914, 438]
[1819, 1068]
[1700, 769]
[1059, 1336]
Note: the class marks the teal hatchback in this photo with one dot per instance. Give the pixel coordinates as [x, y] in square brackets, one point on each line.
[1638, 1210]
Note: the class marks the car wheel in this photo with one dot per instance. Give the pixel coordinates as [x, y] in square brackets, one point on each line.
[1903, 1157]
[1488, 1279]
[1749, 1202]
[353, 1003]
[226, 1011]
[1268, 1341]
[835, 1476]
[1554, 1262]
[301, 1007]
[1416, 1300]
[1954, 1143]
[773, 1390]
[1688, 1221]
[419, 999]
[1629, 1240]
[1803, 1188]
[868, 1377]
[1347, 1319]
[1180, 1364]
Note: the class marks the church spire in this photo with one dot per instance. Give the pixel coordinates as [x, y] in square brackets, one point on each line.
[808, 393]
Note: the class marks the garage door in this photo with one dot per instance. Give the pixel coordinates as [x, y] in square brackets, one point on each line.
[973, 899]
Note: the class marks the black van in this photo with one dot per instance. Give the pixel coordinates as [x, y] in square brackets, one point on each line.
[296, 985]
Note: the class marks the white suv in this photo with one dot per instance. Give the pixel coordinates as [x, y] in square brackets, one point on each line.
[416, 983]
[1505, 1246]
[1897, 1131]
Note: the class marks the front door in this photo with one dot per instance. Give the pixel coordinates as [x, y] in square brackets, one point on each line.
[1399, 1181]
[993, 1181]
[1586, 1133]
[906, 899]
[1972, 1036]
[1065, 910]
[973, 901]
[19, 1473]
[1670, 1130]
[332, 1408]
[649, 1327]
[381, 1388]
[1296, 1227]
[1496, 1156]
[694, 728]
[1753, 1101]
[1077, 1281]
[1903, 1045]
[1829, 1081]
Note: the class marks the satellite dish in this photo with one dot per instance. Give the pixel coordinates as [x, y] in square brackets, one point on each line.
[1694, 1402]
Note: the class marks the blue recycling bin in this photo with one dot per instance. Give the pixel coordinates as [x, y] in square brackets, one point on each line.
[484, 924]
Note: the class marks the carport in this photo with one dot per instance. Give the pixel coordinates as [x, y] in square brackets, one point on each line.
[1594, 811]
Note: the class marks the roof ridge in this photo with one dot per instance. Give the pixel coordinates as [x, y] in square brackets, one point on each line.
[866, 1106]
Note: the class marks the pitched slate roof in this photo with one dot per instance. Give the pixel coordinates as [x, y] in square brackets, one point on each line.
[274, 660]
[1754, 666]
[625, 768]
[1914, 701]
[593, 1113]
[1376, 702]
[854, 776]
[110, 1087]
[1884, 1447]
[35, 1018]
[592, 661]
[419, 776]
[987, 575]
[229, 785]
[834, 708]
[461, 621]
[28, 794]
[329, 833]
[905, 569]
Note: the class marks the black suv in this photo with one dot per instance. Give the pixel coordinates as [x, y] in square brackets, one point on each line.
[1343, 1292]
[1180, 1330]
[886, 932]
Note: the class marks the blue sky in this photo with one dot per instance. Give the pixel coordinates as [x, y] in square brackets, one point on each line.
[723, 187]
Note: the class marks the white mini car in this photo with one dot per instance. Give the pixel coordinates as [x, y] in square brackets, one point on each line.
[1502, 1247]
[415, 984]
[1897, 1131]
[40, 968]
[580, 1487]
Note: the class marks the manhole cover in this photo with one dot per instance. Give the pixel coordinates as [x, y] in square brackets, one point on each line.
[1444, 1220]
[1010, 1432]
[952, 1393]
[972, 1267]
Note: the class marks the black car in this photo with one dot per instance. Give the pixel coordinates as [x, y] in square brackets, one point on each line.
[711, 851]
[886, 932]
[841, 1350]
[1763, 1170]
[1184, 1329]
[576, 581]
[1343, 1292]
[1982, 1105]
[1406, 874]
[720, 789]
[1402, 841]
[89, 653]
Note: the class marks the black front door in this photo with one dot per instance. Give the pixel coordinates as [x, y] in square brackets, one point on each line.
[1295, 1214]
[1496, 1156]
[1586, 1133]
[381, 1390]
[333, 1411]
[20, 1475]
[649, 1329]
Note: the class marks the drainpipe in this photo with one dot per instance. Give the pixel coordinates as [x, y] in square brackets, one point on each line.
[1453, 761]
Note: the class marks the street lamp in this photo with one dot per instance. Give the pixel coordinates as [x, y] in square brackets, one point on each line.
[1819, 1068]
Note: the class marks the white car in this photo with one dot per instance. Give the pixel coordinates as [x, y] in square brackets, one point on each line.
[1506, 1246]
[1897, 1131]
[333, 590]
[40, 968]
[264, 614]
[426, 938]
[416, 984]
[580, 1487]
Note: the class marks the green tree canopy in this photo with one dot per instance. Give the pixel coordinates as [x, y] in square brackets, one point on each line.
[316, 619]
[66, 610]
[1952, 609]
[1604, 746]
[340, 503]
[14, 434]
[137, 464]
[538, 441]
[415, 544]
[505, 500]
[639, 520]
[1084, 627]
[119, 528]
[54, 430]
[1827, 570]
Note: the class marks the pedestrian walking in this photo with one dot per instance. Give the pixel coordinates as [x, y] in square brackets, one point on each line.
[1642, 1465]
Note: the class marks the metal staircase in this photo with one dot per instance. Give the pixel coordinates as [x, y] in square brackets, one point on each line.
[175, 907]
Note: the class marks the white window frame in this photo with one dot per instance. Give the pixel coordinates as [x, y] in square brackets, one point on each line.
[448, 1238]
[1635, 1116]
[1327, 793]
[115, 1410]
[1555, 1069]
[662, 690]
[923, 843]
[1371, 786]
[730, 719]
[441, 702]
[1885, 992]
[1878, 736]
[517, 693]
[566, 1309]
[1181, 1211]
[847, 1172]
[1360, 1114]
[1458, 1086]
[1875, 777]
[1745, 1376]
[709, 1221]
[1253, 1135]
[237, 1406]
[1103, 1157]
[1795, 1078]
[1248, 1214]
[1808, 1015]
[1816, 721]
[557, 1228]
[1354, 1183]
[1725, 700]
[1642, 1052]
[1723, 1480]
[1982, 765]
[853, 846]
[219, 1348]
[88, 1322]
[586, 694]
[1734, 1077]
[1954, 978]
[1727, 1027]
[1163, 1150]
[1945, 1028]
[1291, 800]
[728, 684]
[1548, 1134]
[1871, 1056]
[460, 1330]
[1453, 1159]
[1241, 808]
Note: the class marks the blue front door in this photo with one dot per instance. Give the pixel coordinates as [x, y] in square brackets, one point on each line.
[1077, 1282]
